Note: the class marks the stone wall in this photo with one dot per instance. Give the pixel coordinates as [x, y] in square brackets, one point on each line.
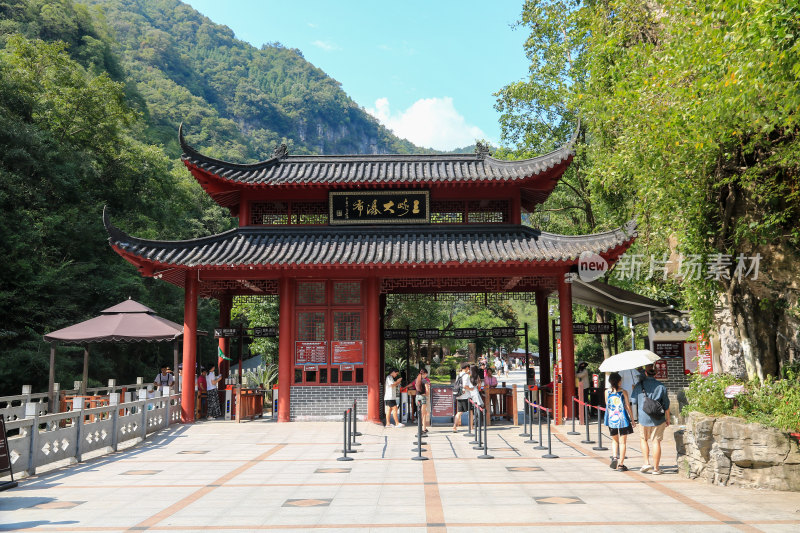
[327, 402]
[729, 451]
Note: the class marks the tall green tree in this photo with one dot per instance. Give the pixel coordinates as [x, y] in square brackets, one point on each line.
[690, 114]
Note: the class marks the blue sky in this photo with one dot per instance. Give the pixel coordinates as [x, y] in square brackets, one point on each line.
[427, 70]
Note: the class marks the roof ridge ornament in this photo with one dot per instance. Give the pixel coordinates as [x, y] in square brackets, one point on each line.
[280, 151]
[481, 150]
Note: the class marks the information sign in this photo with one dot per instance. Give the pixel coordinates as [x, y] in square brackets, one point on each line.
[732, 391]
[504, 332]
[347, 352]
[668, 349]
[465, 333]
[600, 328]
[265, 332]
[662, 373]
[704, 361]
[690, 357]
[394, 334]
[442, 400]
[427, 333]
[379, 207]
[226, 332]
[310, 352]
[578, 328]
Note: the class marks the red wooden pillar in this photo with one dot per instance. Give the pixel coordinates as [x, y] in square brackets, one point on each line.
[285, 344]
[373, 355]
[189, 346]
[225, 305]
[543, 330]
[567, 343]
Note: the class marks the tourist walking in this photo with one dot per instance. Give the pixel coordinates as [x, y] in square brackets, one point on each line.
[202, 392]
[653, 423]
[422, 386]
[390, 397]
[619, 419]
[214, 410]
[461, 390]
[490, 381]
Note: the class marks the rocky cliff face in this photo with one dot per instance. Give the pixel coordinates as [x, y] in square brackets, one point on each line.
[729, 451]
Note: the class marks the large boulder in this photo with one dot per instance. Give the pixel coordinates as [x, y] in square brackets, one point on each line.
[730, 451]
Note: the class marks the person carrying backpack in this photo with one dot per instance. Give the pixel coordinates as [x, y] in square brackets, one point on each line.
[650, 397]
[619, 419]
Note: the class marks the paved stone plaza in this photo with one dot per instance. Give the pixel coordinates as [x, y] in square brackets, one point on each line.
[267, 476]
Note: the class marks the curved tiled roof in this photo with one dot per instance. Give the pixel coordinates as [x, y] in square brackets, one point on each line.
[363, 246]
[670, 322]
[382, 170]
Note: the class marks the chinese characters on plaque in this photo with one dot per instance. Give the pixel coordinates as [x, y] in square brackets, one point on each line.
[379, 207]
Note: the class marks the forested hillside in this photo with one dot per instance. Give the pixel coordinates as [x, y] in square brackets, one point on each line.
[90, 100]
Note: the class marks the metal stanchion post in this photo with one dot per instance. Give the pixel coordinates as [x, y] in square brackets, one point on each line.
[419, 449]
[541, 444]
[485, 438]
[599, 446]
[478, 421]
[526, 412]
[344, 443]
[530, 439]
[549, 454]
[475, 436]
[587, 440]
[356, 433]
[353, 431]
[573, 432]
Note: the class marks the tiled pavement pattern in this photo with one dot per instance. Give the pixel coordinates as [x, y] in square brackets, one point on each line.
[260, 475]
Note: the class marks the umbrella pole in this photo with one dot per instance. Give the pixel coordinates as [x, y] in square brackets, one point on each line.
[85, 369]
[51, 382]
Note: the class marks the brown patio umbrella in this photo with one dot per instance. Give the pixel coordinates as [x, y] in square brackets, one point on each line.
[128, 321]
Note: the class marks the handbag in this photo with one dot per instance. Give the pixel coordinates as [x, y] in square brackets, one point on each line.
[650, 406]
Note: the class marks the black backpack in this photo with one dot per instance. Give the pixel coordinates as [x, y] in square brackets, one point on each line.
[458, 387]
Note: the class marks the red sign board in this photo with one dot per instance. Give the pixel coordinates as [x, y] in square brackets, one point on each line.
[704, 362]
[310, 352]
[662, 374]
[347, 352]
[442, 400]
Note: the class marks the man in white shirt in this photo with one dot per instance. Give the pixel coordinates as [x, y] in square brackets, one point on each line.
[462, 399]
[390, 397]
[164, 380]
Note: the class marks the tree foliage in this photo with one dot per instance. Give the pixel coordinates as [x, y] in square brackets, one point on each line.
[689, 112]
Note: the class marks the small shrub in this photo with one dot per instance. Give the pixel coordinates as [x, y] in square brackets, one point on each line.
[706, 394]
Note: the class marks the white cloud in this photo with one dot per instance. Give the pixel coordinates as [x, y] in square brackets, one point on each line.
[428, 122]
[328, 47]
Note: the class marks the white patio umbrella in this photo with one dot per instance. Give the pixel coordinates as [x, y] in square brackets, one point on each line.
[629, 360]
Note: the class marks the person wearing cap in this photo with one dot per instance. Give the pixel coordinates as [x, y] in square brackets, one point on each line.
[651, 427]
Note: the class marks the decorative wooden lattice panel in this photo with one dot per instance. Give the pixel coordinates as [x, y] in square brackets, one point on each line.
[346, 325]
[269, 213]
[256, 287]
[506, 287]
[309, 213]
[311, 293]
[347, 292]
[488, 212]
[311, 326]
[447, 212]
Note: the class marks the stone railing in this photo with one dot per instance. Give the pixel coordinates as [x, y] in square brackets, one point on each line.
[26, 404]
[730, 451]
[44, 441]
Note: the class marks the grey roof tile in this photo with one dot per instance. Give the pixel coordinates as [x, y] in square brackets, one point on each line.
[408, 245]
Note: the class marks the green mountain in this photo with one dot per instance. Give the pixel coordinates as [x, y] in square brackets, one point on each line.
[235, 100]
[91, 96]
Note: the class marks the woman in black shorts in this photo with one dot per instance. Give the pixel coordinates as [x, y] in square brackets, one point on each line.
[619, 419]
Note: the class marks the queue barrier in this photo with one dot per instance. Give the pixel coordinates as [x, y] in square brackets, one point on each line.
[480, 420]
[587, 440]
[346, 440]
[419, 449]
[549, 454]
